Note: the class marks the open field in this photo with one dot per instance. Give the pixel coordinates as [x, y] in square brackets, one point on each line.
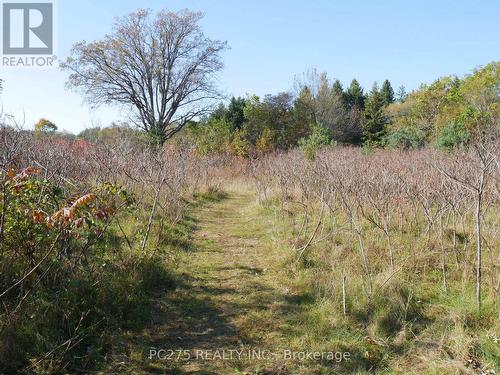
[374, 255]
[172, 205]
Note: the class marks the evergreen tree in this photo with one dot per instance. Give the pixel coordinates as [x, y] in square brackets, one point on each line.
[401, 95]
[375, 120]
[337, 87]
[355, 96]
[338, 90]
[303, 108]
[219, 113]
[234, 114]
[387, 93]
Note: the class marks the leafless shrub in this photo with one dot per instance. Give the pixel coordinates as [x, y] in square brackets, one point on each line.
[440, 201]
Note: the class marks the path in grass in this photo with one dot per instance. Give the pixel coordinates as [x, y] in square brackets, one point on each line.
[231, 298]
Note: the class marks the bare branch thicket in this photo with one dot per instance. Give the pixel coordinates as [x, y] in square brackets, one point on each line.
[430, 208]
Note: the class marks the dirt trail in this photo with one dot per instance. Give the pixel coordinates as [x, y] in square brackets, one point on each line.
[229, 301]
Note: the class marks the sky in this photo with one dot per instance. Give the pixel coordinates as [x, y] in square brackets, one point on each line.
[272, 42]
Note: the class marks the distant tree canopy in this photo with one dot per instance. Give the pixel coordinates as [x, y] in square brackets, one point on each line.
[45, 126]
[161, 66]
[281, 121]
[354, 95]
[112, 132]
[375, 119]
[387, 93]
[333, 109]
[450, 111]
[321, 110]
[401, 95]
[446, 113]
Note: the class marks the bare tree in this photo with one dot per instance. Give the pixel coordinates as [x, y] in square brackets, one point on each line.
[480, 161]
[161, 66]
[328, 107]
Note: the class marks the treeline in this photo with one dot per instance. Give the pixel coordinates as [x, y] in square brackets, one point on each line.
[445, 113]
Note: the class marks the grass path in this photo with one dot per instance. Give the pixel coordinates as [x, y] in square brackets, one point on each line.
[231, 299]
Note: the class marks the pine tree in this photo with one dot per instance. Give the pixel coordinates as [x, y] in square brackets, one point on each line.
[375, 120]
[355, 96]
[401, 95]
[338, 90]
[337, 87]
[219, 113]
[387, 93]
[234, 114]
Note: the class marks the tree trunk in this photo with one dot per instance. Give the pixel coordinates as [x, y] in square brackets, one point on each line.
[443, 255]
[478, 248]
[151, 216]
[344, 297]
